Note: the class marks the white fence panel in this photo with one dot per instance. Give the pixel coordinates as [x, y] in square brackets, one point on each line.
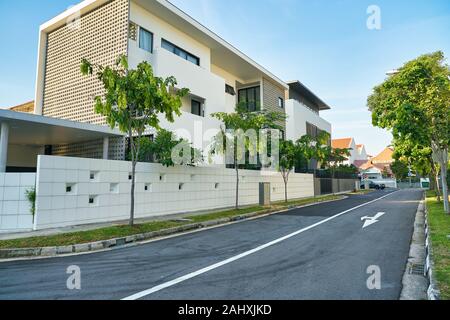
[75, 191]
[15, 209]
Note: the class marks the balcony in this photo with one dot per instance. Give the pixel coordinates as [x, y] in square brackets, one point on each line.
[298, 115]
[201, 82]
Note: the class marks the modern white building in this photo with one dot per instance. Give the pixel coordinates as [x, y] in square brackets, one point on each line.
[217, 74]
[64, 124]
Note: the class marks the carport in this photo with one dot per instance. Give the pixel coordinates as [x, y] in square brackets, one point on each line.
[24, 136]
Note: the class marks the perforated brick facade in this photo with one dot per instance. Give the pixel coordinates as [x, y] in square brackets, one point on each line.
[100, 36]
[92, 149]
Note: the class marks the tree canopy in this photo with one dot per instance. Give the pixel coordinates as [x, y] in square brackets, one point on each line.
[414, 104]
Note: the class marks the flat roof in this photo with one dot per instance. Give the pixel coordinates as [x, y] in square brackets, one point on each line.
[32, 129]
[304, 91]
[223, 53]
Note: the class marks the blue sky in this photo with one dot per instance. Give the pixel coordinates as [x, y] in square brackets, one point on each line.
[323, 43]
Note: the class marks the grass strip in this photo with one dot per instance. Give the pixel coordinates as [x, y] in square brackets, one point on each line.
[112, 232]
[439, 226]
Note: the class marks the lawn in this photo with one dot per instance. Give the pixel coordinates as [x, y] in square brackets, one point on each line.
[439, 225]
[123, 231]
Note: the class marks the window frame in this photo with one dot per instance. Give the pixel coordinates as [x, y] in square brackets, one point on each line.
[201, 110]
[152, 39]
[230, 89]
[258, 97]
[176, 48]
[281, 102]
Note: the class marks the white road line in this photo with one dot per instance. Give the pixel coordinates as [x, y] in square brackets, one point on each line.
[242, 255]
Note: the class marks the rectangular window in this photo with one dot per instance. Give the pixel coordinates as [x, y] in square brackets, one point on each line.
[145, 40]
[230, 90]
[251, 98]
[196, 108]
[281, 103]
[180, 52]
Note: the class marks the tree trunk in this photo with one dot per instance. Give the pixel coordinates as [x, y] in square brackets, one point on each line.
[285, 179]
[285, 191]
[133, 180]
[435, 174]
[237, 185]
[444, 187]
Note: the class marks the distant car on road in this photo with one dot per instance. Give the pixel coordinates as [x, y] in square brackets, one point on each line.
[373, 185]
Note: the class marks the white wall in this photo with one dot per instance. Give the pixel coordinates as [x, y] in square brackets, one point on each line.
[162, 29]
[298, 115]
[15, 209]
[56, 208]
[361, 154]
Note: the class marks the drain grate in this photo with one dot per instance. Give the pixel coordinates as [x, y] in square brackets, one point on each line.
[417, 269]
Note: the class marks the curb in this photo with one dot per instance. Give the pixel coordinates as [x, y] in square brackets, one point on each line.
[123, 241]
[414, 280]
[433, 290]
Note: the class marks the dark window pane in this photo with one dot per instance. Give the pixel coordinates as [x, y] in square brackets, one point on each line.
[180, 52]
[145, 40]
[167, 45]
[251, 97]
[196, 108]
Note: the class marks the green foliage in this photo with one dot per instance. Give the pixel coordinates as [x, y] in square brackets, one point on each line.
[31, 196]
[167, 148]
[133, 101]
[236, 138]
[414, 105]
[241, 122]
[400, 169]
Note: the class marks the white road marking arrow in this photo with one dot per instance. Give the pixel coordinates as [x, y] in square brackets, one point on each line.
[371, 220]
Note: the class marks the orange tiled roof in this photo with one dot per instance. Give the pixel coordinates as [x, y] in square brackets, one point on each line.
[384, 157]
[26, 107]
[341, 143]
[360, 163]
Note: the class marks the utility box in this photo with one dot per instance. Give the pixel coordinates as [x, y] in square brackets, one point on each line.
[264, 194]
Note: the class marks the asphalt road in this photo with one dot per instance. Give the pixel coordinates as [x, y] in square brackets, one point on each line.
[327, 260]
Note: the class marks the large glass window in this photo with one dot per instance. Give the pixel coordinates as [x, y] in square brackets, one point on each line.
[145, 40]
[180, 52]
[251, 98]
[196, 108]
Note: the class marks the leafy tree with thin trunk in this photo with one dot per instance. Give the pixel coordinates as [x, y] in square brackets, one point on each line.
[287, 159]
[133, 101]
[400, 169]
[290, 153]
[415, 104]
[239, 139]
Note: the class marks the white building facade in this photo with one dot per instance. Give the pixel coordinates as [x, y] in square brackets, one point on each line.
[77, 162]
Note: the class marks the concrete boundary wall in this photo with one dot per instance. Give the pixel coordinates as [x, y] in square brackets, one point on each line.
[15, 209]
[75, 191]
[335, 185]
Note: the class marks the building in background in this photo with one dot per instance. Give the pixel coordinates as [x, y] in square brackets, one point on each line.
[26, 107]
[378, 167]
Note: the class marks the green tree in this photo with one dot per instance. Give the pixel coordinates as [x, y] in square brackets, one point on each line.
[322, 150]
[133, 101]
[239, 138]
[414, 104]
[289, 153]
[400, 169]
[169, 150]
[419, 156]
